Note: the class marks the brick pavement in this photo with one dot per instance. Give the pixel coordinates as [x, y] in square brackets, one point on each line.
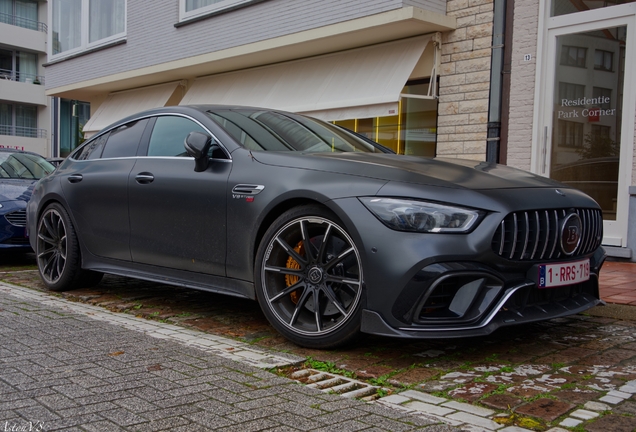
[618, 282]
[63, 371]
[582, 362]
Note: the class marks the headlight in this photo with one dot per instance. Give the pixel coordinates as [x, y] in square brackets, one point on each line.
[421, 216]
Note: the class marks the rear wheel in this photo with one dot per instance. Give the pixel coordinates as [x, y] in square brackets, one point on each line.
[309, 279]
[58, 253]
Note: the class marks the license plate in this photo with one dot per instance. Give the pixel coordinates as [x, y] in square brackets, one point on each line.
[554, 275]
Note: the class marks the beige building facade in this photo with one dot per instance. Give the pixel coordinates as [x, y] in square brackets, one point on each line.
[541, 85]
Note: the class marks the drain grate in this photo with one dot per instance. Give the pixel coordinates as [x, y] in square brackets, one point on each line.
[330, 383]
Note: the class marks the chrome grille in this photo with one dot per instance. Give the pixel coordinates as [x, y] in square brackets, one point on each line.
[535, 235]
[17, 218]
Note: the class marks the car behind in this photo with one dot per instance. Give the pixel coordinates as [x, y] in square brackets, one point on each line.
[19, 170]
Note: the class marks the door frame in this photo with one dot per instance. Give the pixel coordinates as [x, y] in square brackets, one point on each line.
[615, 232]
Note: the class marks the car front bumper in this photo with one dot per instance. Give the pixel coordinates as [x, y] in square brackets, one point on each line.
[485, 307]
[457, 285]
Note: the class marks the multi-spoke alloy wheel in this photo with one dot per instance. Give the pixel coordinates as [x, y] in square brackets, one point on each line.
[309, 278]
[51, 246]
[58, 254]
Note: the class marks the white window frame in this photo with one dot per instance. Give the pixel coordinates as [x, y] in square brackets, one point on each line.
[85, 45]
[225, 4]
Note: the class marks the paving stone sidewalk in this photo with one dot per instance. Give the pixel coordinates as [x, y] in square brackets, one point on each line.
[63, 371]
[570, 373]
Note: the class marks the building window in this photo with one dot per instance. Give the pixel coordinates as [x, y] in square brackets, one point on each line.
[83, 24]
[21, 13]
[189, 9]
[20, 120]
[413, 131]
[603, 97]
[570, 134]
[603, 60]
[600, 131]
[571, 91]
[106, 19]
[73, 116]
[565, 7]
[19, 66]
[573, 56]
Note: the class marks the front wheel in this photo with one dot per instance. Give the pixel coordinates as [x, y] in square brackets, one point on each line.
[309, 280]
[58, 253]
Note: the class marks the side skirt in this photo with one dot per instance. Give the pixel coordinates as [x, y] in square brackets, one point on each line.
[180, 278]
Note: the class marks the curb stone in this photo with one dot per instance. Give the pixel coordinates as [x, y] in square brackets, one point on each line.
[221, 346]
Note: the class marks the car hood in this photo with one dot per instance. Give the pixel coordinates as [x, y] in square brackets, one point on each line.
[16, 189]
[452, 173]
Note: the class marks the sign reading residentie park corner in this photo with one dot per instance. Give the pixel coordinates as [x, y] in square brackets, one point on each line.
[593, 112]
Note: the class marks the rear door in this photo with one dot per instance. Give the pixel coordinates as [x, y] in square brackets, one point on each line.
[96, 189]
[178, 216]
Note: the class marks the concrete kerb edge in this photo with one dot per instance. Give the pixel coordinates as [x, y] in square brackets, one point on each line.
[211, 343]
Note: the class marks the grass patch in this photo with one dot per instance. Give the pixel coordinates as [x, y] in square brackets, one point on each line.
[382, 392]
[540, 396]
[327, 367]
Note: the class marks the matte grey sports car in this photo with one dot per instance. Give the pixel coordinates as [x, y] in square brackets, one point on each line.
[331, 233]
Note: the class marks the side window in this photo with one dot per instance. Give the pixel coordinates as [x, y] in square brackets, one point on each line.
[169, 134]
[123, 141]
[92, 150]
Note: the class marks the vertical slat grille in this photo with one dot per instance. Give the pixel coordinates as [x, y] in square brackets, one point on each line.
[536, 234]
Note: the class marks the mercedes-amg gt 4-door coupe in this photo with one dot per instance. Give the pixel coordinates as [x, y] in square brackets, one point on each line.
[330, 232]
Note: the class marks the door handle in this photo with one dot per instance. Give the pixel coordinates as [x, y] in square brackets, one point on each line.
[144, 178]
[75, 178]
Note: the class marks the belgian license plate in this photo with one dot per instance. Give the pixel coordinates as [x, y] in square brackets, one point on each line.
[554, 275]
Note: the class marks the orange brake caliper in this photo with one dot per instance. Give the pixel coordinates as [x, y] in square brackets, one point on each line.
[293, 264]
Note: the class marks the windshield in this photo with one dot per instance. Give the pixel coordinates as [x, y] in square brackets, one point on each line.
[275, 131]
[24, 166]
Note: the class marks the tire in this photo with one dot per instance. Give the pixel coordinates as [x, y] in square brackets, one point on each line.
[292, 279]
[58, 253]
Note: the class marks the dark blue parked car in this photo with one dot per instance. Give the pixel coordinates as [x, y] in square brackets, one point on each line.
[19, 170]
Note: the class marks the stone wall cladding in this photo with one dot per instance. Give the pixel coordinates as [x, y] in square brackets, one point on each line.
[438, 6]
[465, 81]
[522, 85]
[152, 39]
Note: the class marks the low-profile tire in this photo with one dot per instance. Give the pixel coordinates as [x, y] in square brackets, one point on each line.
[58, 253]
[309, 280]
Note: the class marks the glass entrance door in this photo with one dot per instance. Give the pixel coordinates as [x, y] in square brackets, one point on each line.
[586, 144]
[586, 115]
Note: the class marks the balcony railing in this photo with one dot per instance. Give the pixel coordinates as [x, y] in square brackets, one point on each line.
[13, 75]
[23, 22]
[22, 131]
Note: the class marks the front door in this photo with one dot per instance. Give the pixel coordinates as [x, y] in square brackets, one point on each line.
[589, 123]
[177, 215]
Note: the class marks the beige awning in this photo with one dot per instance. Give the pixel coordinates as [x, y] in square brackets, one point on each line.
[358, 83]
[124, 103]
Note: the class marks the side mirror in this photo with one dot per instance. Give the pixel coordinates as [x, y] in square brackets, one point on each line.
[197, 145]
